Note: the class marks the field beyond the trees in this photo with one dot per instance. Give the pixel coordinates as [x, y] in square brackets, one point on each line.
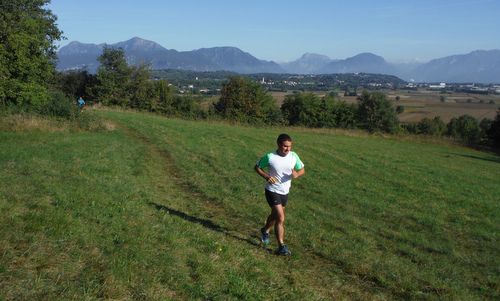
[419, 104]
[156, 208]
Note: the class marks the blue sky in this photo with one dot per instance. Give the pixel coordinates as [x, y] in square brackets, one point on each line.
[283, 30]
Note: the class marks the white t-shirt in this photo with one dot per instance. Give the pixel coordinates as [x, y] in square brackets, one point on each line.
[281, 169]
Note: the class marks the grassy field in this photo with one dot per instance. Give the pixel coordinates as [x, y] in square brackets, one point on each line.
[159, 209]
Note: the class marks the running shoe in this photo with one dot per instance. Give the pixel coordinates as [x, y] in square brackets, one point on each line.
[264, 236]
[283, 250]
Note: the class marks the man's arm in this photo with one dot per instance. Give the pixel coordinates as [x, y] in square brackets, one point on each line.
[265, 175]
[298, 173]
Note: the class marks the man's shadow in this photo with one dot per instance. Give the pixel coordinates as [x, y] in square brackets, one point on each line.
[204, 222]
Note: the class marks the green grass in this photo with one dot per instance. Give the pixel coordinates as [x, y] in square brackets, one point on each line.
[169, 209]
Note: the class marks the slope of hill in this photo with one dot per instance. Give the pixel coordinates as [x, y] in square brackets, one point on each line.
[169, 209]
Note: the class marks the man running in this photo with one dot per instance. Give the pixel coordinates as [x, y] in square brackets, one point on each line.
[282, 166]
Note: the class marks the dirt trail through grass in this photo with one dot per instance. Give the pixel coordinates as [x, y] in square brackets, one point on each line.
[212, 208]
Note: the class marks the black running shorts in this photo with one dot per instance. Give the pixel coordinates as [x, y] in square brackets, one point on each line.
[274, 198]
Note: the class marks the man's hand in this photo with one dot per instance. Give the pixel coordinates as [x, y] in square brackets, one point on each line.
[296, 174]
[272, 180]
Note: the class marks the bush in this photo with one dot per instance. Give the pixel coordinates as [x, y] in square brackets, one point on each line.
[410, 128]
[494, 131]
[343, 114]
[59, 105]
[307, 109]
[90, 122]
[434, 126]
[244, 100]
[77, 83]
[485, 126]
[376, 113]
[304, 109]
[464, 128]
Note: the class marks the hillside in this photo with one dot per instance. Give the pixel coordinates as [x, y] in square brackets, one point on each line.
[169, 209]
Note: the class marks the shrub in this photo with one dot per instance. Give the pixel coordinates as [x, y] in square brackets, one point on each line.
[465, 128]
[434, 126]
[90, 122]
[485, 126]
[304, 109]
[494, 131]
[376, 113]
[244, 100]
[343, 114]
[307, 109]
[59, 105]
[410, 128]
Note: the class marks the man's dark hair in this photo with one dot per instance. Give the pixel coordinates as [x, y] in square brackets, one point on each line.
[282, 138]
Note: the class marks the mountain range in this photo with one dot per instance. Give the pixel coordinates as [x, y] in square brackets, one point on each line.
[480, 66]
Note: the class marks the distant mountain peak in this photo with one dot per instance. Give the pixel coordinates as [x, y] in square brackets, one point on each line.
[137, 43]
[367, 56]
[138, 51]
[480, 66]
[309, 55]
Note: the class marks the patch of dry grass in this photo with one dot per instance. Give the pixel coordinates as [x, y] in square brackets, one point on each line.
[24, 122]
[31, 123]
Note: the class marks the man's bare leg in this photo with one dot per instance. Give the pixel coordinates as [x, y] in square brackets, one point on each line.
[279, 223]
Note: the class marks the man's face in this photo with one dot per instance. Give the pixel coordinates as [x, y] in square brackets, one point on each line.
[284, 148]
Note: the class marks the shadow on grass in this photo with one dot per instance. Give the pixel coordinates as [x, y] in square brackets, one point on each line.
[489, 159]
[205, 223]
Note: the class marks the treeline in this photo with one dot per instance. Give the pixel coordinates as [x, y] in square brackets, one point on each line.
[465, 128]
[30, 83]
[244, 100]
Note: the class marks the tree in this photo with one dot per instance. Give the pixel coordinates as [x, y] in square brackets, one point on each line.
[485, 126]
[244, 100]
[27, 52]
[305, 109]
[114, 76]
[494, 131]
[434, 126]
[465, 128]
[165, 97]
[376, 113]
[76, 83]
[141, 89]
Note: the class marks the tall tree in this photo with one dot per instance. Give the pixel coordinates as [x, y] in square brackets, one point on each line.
[28, 31]
[377, 113]
[244, 100]
[114, 76]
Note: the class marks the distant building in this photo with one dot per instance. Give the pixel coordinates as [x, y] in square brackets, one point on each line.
[440, 86]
